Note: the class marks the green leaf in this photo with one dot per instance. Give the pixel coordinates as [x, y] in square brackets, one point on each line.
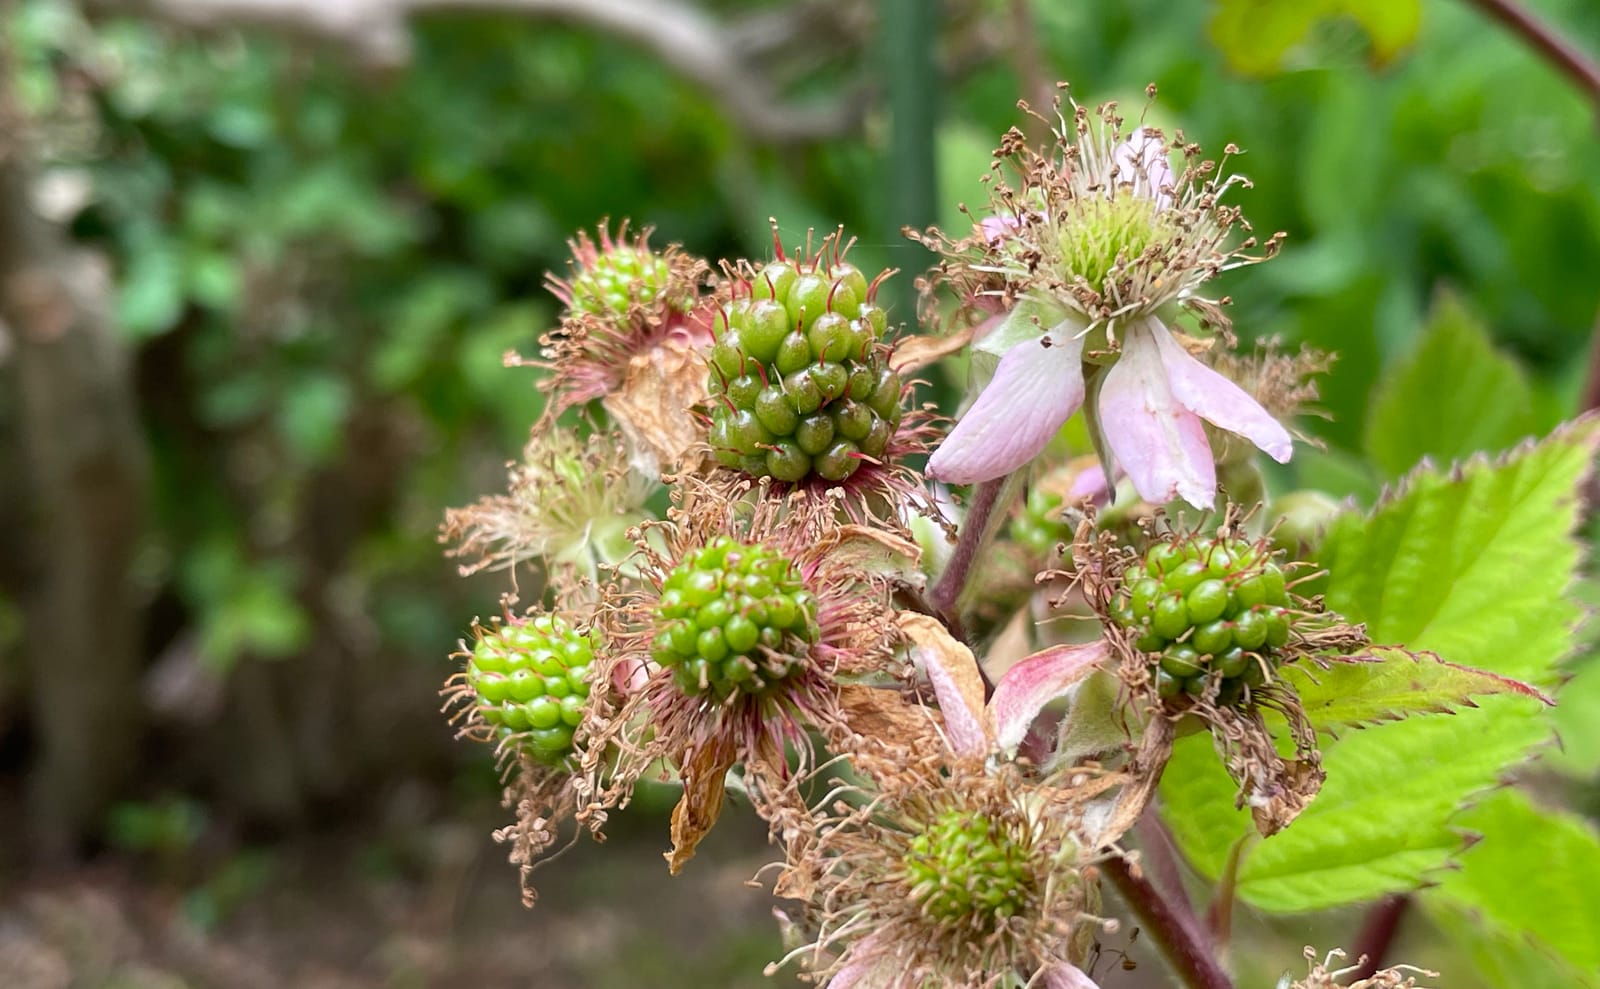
[1390, 24]
[1392, 684]
[1576, 724]
[1381, 822]
[1474, 565]
[1533, 877]
[1504, 962]
[1454, 395]
[1257, 35]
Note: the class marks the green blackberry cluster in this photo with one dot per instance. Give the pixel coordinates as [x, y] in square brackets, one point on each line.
[532, 678]
[734, 617]
[1208, 608]
[964, 866]
[1040, 527]
[618, 278]
[800, 384]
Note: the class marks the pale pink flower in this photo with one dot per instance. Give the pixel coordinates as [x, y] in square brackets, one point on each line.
[1150, 240]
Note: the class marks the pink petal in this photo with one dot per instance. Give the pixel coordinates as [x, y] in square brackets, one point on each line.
[1064, 975]
[1142, 155]
[1159, 442]
[1036, 387]
[1219, 401]
[1090, 485]
[998, 228]
[1036, 681]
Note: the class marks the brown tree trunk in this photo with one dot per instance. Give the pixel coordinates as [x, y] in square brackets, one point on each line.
[83, 481]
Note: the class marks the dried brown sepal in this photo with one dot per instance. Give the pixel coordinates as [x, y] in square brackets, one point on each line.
[913, 353]
[876, 917]
[652, 403]
[883, 717]
[1275, 788]
[768, 733]
[705, 778]
[953, 670]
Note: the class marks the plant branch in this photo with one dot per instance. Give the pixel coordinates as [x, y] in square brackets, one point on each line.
[1377, 935]
[1566, 57]
[1181, 941]
[684, 37]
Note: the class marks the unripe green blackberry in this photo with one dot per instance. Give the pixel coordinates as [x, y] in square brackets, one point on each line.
[1040, 527]
[964, 866]
[1204, 609]
[532, 679]
[800, 380]
[734, 617]
[618, 278]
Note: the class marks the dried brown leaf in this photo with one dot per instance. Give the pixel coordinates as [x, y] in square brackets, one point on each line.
[705, 776]
[915, 353]
[653, 404]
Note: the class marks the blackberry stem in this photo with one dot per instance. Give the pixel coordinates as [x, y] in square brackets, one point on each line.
[984, 515]
[1378, 933]
[1180, 938]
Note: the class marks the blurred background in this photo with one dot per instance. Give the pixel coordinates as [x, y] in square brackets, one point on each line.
[260, 261]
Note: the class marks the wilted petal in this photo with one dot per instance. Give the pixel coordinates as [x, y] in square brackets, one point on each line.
[1036, 681]
[1159, 442]
[1219, 401]
[867, 956]
[1142, 156]
[1064, 975]
[957, 683]
[1036, 387]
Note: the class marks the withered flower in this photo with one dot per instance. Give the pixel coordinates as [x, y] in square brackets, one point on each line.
[635, 325]
[571, 501]
[744, 622]
[942, 868]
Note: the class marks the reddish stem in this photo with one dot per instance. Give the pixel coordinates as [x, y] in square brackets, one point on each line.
[1181, 940]
[974, 528]
[1555, 49]
[1377, 935]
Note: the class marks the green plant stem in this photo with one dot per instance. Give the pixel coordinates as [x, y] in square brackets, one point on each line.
[909, 41]
[1181, 941]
